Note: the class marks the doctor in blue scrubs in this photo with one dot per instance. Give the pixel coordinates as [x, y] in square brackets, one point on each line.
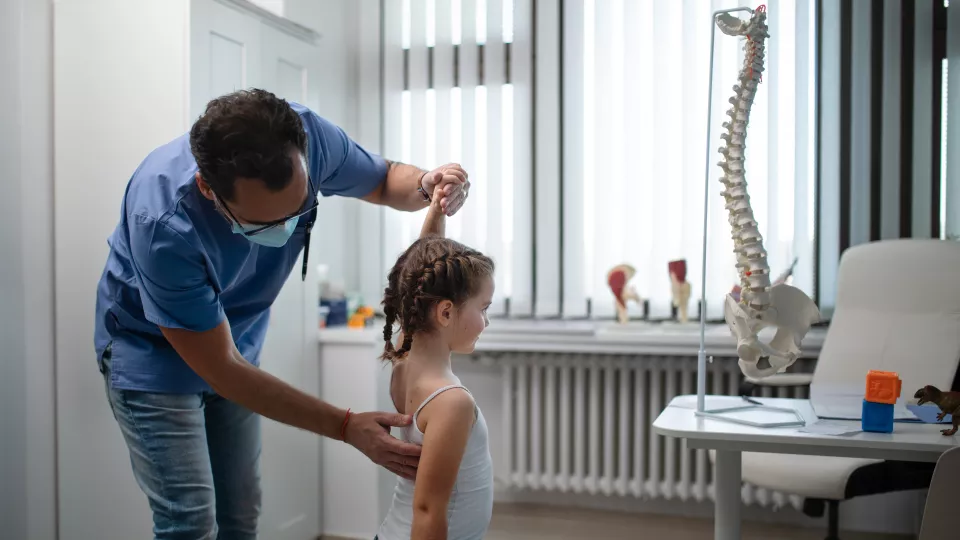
[210, 228]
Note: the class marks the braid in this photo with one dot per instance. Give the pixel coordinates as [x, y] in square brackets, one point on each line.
[390, 302]
[413, 309]
[389, 353]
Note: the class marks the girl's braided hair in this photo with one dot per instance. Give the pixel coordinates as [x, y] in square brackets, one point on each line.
[432, 269]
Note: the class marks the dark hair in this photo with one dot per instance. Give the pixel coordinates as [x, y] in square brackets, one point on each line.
[432, 269]
[247, 134]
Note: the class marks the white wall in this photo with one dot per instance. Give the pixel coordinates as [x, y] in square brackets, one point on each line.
[27, 462]
[106, 70]
[338, 222]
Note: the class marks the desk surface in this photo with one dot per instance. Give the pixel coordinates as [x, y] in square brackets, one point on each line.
[908, 442]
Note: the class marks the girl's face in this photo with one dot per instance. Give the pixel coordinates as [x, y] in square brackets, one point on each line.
[471, 319]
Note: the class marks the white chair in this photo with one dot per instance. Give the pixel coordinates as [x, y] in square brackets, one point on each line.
[940, 511]
[897, 309]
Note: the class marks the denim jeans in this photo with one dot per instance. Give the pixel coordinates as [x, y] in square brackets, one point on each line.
[197, 459]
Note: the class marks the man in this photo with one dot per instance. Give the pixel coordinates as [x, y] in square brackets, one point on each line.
[211, 226]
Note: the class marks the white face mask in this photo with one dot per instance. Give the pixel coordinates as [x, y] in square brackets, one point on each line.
[273, 237]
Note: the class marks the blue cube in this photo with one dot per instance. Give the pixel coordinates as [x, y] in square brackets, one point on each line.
[877, 417]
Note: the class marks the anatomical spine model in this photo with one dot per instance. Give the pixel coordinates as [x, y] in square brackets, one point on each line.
[760, 304]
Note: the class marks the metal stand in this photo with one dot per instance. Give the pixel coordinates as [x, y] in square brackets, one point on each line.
[717, 414]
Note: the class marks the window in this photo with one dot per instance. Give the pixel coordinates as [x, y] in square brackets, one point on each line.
[457, 89]
[634, 172]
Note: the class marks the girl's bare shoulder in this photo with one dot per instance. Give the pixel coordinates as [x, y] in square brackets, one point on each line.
[419, 388]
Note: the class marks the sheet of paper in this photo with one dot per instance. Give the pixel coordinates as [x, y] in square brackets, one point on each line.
[827, 427]
[928, 414]
[845, 403]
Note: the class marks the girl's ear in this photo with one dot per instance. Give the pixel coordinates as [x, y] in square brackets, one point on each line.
[444, 313]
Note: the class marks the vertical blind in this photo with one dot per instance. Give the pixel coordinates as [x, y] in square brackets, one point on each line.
[457, 88]
[950, 209]
[848, 138]
[885, 136]
[634, 144]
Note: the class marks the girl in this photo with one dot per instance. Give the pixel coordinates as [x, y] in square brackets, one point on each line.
[438, 292]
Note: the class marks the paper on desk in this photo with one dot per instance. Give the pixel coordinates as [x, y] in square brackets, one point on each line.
[846, 403]
[827, 427]
[928, 414]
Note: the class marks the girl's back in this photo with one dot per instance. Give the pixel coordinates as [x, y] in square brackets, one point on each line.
[470, 503]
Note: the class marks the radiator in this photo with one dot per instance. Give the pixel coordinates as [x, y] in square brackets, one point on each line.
[582, 424]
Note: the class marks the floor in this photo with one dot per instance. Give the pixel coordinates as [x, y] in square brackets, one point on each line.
[527, 522]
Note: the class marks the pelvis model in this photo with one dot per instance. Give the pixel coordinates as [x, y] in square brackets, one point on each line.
[760, 305]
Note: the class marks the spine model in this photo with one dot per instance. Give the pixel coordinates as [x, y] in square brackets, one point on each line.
[759, 304]
[747, 241]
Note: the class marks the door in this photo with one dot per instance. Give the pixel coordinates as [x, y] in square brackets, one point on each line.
[291, 457]
[225, 52]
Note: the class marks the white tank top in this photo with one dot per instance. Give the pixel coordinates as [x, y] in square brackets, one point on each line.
[471, 501]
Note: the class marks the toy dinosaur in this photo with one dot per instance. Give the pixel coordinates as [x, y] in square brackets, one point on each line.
[949, 403]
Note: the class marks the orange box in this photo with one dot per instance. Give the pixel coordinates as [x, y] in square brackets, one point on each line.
[883, 386]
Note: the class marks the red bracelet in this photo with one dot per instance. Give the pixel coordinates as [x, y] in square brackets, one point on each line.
[343, 427]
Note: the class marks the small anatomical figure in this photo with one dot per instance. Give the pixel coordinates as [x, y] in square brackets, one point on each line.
[618, 278]
[680, 288]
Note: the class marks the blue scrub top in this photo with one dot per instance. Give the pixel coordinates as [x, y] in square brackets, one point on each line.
[175, 262]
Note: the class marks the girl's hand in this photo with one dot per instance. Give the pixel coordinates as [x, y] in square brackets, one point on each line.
[448, 186]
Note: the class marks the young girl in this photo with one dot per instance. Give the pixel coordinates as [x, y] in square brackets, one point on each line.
[438, 292]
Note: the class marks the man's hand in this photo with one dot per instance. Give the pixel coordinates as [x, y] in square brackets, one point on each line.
[451, 184]
[370, 434]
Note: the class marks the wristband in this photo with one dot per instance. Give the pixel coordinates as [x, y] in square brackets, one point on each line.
[423, 192]
[343, 427]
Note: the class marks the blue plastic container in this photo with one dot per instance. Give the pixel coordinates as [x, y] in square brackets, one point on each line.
[338, 312]
[877, 417]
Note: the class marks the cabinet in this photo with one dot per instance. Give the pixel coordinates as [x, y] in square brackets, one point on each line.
[230, 50]
[129, 75]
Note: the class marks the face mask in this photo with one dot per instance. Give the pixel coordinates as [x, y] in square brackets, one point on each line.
[274, 237]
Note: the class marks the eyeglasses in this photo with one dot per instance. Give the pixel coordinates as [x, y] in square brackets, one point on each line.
[307, 209]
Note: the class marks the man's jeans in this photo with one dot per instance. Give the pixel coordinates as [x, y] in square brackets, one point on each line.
[197, 459]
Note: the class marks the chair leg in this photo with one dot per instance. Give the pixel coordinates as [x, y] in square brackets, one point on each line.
[833, 520]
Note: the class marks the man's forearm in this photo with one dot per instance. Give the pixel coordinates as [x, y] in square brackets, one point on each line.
[271, 397]
[400, 188]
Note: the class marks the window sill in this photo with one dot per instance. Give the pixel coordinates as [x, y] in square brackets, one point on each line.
[590, 337]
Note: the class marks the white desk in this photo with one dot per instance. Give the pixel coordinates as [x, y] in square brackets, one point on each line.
[908, 442]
